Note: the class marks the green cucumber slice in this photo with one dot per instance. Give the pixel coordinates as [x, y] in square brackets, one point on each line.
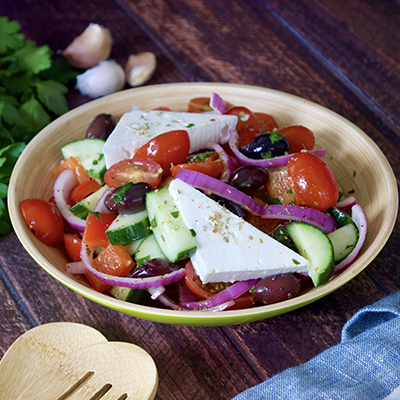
[148, 250]
[314, 245]
[343, 240]
[87, 205]
[130, 295]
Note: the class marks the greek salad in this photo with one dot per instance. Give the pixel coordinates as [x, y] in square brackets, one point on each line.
[216, 208]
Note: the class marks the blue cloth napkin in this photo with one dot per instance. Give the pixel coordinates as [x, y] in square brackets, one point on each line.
[364, 366]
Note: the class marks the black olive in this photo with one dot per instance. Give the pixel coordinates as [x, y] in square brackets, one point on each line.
[266, 146]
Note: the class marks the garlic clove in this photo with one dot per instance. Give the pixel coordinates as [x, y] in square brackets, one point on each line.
[103, 79]
[140, 68]
[89, 48]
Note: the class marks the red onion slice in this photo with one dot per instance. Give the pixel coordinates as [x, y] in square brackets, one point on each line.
[100, 206]
[76, 267]
[268, 163]
[212, 185]
[227, 295]
[156, 292]
[299, 213]
[133, 283]
[62, 187]
[346, 203]
[216, 103]
[228, 163]
[360, 220]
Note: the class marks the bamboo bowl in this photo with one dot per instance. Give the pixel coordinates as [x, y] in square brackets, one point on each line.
[356, 161]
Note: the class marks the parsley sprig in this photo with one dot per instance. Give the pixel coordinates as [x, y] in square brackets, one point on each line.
[32, 94]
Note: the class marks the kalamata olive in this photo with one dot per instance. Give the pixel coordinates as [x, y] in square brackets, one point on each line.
[231, 206]
[274, 289]
[101, 127]
[266, 146]
[128, 199]
[155, 267]
[249, 178]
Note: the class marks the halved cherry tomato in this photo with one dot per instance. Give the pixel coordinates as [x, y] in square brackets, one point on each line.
[134, 171]
[247, 119]
[313, 181]
[166, 149]
[162, 108]
[96, 283]
[74, 165]
[211, 166]
[267, 122]
[266, 225]
[205, 291]
[95, 230]
[245, 136]
[83, 190]
[43, 220]
[199, 104]
[73, 244]
[299, 137]
[280, 189]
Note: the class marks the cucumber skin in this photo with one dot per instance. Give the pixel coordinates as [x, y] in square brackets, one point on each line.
[341, 218]
[129, 234]
[318, 275]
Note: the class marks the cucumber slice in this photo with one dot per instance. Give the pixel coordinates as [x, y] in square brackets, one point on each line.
[343, 240]
[148, 250]
[127, 228]
[132, 247]
[89, 152]
[341, 218]
[314, 245]
[127, 294]
[87, 205]
[175, 239]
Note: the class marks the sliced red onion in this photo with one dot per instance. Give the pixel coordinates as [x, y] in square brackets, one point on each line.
[133, 283]
[346, 203]
[228, 163]
[358, 216]
[76, 267]
[299, 213]
[216, 103]
[227, 295]
[268, 163]
[164, 299]
[212, 185]
[156, 292]
[63, 185]
[185, 294]
[100, 206]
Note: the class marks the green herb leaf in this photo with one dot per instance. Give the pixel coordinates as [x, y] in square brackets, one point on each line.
[10, 38]
[51, 94]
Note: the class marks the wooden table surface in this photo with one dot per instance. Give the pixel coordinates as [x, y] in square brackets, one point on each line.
[338, 53]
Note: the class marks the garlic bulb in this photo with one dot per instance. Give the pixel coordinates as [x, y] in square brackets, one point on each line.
[89, 48]
[140, 68]
[106, 78]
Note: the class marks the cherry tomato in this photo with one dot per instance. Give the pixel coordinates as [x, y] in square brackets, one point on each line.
[96, 283]
[313, 181]
[299, 137]
[95, 230]
[246, 300]
[247, 119]
[162, 108]
[73, 244]
[245, 136]
[83, 190]
[266, 121]
[43, 220]
[267, 225]
[211, 166]
[280, 189]
[166, 149]
[205, 291]
[134, 171]
[199, 104]
[74, 165]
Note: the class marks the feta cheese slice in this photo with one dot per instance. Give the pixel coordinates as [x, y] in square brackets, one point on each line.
[230, 249]
[136, 128]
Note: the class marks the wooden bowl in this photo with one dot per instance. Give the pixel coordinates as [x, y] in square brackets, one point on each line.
[356, 161]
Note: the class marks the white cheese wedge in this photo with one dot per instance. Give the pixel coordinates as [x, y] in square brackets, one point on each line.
[136, 128]
[230, 249]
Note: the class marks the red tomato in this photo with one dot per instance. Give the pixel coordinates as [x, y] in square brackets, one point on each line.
[134, 171]
[199, 104]
[96, 283]
[280, 188]
[95, 230]
[162, 108]
[73, 244]
[204, 291]
[247, 119]
[313, 181]
[246, 300]
[83, 190]
[245, 136]
[74, 165]
[266, 225]
[166, 149]
[267, 122]
[299, 137]
[211, 166]
[43, 220]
